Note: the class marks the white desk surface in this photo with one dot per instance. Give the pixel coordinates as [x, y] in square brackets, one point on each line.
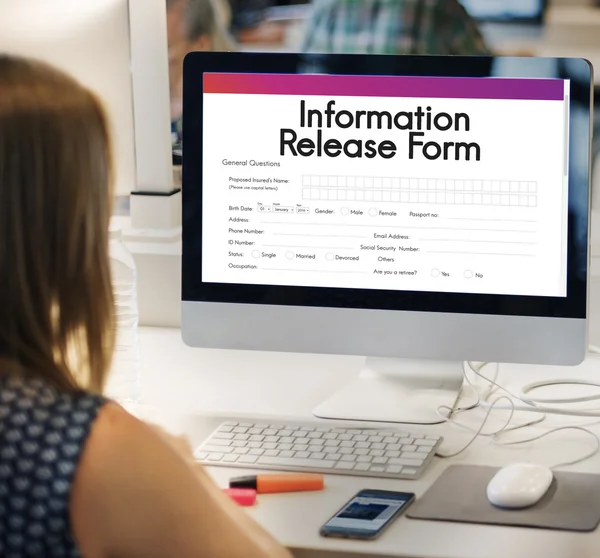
[192, 390]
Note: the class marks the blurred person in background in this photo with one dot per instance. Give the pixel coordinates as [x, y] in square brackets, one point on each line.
[192, 25]
[392, 27]
[249, 23]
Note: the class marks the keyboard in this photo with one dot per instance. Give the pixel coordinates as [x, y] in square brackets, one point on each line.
[347, 451]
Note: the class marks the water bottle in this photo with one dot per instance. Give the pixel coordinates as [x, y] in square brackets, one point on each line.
[124, 381]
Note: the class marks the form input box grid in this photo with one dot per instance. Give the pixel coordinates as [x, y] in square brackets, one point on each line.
[420, 190]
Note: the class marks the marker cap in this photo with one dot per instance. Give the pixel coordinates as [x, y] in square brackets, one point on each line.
[242, 496]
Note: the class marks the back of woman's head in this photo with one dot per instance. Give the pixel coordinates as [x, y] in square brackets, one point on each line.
[55, 294]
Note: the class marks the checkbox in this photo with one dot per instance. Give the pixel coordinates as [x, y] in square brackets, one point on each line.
[395, 196]
[386, 196]
[350, 181]
[333, 195]
[514, 200]
[315, 181]
[341, 181]
[306, 180]
[333, 181]
[342, 195]
[377, 195]
[369, 195]
[387, 183]
[324, 181]
[377, 182]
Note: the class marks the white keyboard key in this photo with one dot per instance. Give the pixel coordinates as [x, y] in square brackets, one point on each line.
[255, 431]
[345, 451]
[333, 456]
[231, 458]
[239, 444]
[406, 441]
[299, 434]
[254, 445]
[409, 448]
[376, 453]
[424, 449]
[301, 447]
[360, 438]
[214, 457]
[317, 442]
[427, 442]
[247, 424]
[285, 447]
[249, 459]
[256, 438]
[393, 447]
[361, 451]
[380, 461]
[226, 429]
[315, 434]
[332, 443]
[377, 469]
[395, 469]
[362, 467]
[364, 459]
[269, 445]
[392, 454]
[412, 455]
[272, 452]
[320, 455]
[348, 458]
[406, 462]
[218, 442]
[223, 436]
[378, 446]
[256, 451]
[344, 465]
[375, 439]
[363, 445]
[286, 453]
[217, 449]
[271, 439]
[285, 432]
[330, 436]
[294, 462]
[287, 440]
[390, 440]
[347, 444]
[201, 455]
[344, 437]
[241, 451]
[229, 423]
[302, 454]
[409, 472]
[240, 430]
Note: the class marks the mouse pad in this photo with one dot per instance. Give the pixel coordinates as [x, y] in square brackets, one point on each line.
[572, 502]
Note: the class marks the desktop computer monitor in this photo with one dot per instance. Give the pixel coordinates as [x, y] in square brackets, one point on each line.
[419, 211]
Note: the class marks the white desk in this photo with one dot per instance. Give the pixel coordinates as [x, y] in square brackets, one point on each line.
[184, 383]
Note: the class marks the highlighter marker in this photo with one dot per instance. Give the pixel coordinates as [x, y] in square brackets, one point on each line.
[270, 484]
[241, 496]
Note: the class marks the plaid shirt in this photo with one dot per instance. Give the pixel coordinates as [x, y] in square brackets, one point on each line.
[392, 27]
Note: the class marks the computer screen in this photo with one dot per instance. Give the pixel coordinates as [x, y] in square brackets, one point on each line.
[506, 10]
[414, 207]
[387, 183]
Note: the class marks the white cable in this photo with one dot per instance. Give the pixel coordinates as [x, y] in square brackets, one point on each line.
[554, 431]
[532, 406]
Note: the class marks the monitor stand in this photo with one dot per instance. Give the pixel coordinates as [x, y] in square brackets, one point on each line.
[396, 390]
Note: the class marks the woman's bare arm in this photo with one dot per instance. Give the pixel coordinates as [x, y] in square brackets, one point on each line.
[136, 496]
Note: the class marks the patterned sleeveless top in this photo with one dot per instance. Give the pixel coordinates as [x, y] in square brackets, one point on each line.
[42, 434]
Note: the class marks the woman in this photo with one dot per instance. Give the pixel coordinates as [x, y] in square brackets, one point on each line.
[78, 475]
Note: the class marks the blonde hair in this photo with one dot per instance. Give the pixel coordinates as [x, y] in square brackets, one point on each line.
[56, 303]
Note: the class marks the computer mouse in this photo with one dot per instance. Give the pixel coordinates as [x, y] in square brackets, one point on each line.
[519, 485]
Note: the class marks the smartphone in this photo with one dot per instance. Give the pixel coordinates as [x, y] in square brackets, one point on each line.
[367, 514]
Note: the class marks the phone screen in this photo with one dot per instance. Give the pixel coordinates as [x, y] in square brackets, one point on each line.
[367, 514]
